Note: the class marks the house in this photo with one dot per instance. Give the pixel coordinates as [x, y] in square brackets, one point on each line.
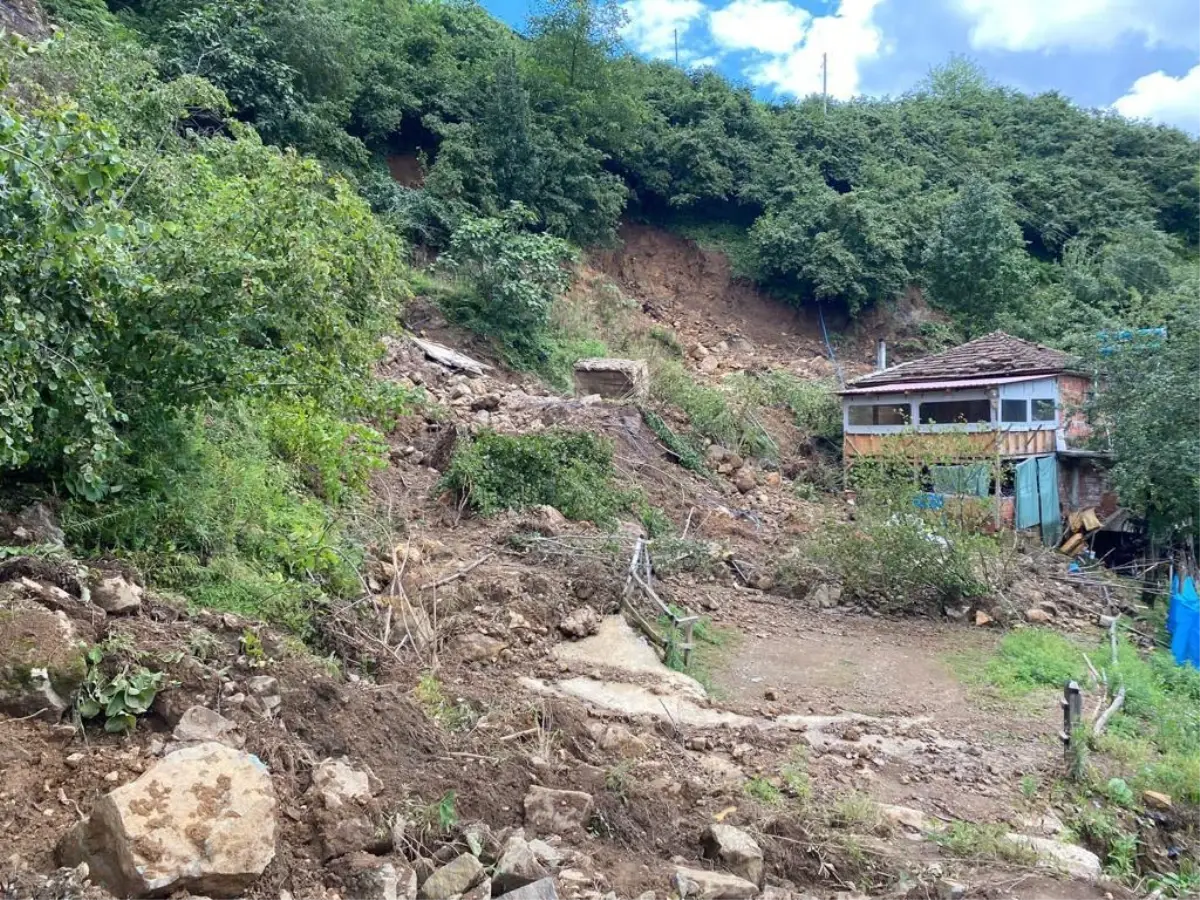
[1007, 414]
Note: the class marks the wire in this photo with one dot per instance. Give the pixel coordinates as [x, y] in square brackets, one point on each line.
[837, 367]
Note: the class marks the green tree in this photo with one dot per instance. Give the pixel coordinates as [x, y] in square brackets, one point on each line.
[1149, 405]
[975, 263]
[505, 133]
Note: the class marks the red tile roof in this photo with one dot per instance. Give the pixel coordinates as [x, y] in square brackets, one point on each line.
[993, 355]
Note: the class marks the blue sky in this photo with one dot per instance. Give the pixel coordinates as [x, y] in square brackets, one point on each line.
[1141, 57]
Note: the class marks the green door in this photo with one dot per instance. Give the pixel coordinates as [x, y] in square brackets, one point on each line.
[1051, 518]
[1028, 508]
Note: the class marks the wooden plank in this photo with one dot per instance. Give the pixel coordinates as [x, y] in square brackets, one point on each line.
[451, 359]
[1072, 545]
[1089, 519]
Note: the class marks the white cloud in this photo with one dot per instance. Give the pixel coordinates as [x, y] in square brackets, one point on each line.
[1163, 98]
[653, 24]
[704, 62]
[768, 26]
[849, 37]
[1081, 24]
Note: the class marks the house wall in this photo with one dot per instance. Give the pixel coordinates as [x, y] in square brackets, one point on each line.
[1084, 483]
[1074, 392]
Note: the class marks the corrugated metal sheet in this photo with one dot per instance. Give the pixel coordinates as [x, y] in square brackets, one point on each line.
[907, 386]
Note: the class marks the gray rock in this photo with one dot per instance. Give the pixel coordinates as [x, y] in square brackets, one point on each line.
[199, 725]
[550, 811]
[735, 850]
[117, 596]
[580, 623]
[538, 890]
[345, 815]
[35, 524]
[826, 596]
[452, 879]
[42, 664]
[1075, 861]
[518, 865]
[202, 820]
[265, 690]
[701, 884]
[950, 890]
[477, 647]
[481, 891]
[367, 877]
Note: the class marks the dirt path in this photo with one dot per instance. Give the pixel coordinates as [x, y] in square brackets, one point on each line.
[968, 757]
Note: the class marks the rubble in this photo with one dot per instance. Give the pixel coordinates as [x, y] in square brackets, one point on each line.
[550, 811]
[452, 879]
[116, 595]
[42, 662]
[735, 850]
[701, 884]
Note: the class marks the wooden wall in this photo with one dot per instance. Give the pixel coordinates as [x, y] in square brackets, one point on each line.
[973, 445]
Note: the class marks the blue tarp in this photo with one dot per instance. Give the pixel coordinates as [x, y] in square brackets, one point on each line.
[929, 500]
[1183, 621]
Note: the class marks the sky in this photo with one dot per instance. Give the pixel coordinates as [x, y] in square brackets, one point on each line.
[1139, 57]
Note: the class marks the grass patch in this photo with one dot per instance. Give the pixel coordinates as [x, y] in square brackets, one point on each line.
[451, 715]
[708, 640]
[1153, 742]
[763, 790]
[722, 416]
[969, 841]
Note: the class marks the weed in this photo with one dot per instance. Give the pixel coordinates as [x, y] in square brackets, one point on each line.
[1029, 786]
[569, 470]
[795, 775]
[654, 519]
[683, 448]
[856, 810]
[121, 697]
[1122, 856]
[617, 779]
[452, 715]
[1180, 884]
[203, 644]
[667, 339]
[706, 639]
[762, 790]
[438, 817]
[1118, 792]
[968, 840]
[715, 414]
[1033, 658]
[673, 555]
[334, 457]
[251, 647]
[1101, 830]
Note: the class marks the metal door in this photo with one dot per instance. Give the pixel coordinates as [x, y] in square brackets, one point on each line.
[1051, 517]
[1028, 511]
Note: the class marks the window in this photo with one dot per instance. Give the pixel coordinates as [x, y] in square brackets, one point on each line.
[1043, 411]
[879, 414]
[1014, 411]
[956, 412]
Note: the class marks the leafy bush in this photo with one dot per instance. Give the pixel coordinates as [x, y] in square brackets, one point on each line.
[569, 470]
[902, 561]
[724, 417]
[511, 278]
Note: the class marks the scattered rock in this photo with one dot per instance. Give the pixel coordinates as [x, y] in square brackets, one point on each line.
[698, 351]
[477, 647]
[367, 877]
[346, 818]
[735, 850]
[42, 664]
[200, 725]
[771, 695]
[825, 595]
[488, 403]
[35, 524]
[539, 890]
[117, 596]
[481, 891]
[518, 865]
[544, 520]
[452, 879]
[714, 455]
[852, 733]
[909, 818]
[550, 811]
[950, 890]
[265, 691]
[744, 480]
[700, 884]
[620, 741]
[982, 618]
[1037, 616]
[200, 820]
[708, 365]
[581, 623]
[1155, 800]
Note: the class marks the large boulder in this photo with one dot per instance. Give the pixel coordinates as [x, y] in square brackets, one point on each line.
[580, 623]
[454, 878]
[201, 820]
[1075, 861]
[701, 884]
[550, 811]
[42, 664]
[735, 850]
[116, 595]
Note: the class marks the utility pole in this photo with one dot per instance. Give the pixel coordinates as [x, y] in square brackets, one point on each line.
[824, 84]
[677, 48]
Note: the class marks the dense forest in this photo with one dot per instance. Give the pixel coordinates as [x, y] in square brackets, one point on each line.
[201, 242]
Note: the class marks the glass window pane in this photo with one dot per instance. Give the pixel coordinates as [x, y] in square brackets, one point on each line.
[1043, 411]
[955, 412]
[879, 414]
[1014, 411]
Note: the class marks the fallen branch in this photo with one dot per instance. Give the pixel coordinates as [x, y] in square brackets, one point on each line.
[1101, 722]
[518, 734]
[1092, 669]
[454, 576]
